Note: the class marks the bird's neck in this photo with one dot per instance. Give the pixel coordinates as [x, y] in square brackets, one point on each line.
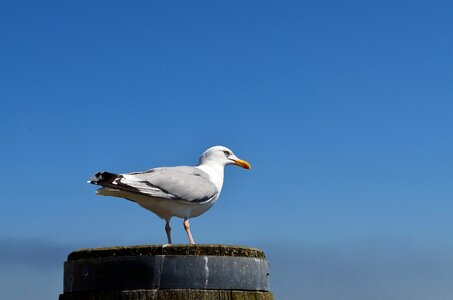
[214, 171]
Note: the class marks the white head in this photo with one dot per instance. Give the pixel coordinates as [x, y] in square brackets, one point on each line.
[223, 156]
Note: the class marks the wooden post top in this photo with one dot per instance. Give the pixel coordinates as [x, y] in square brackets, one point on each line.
[173, 249]
[167, 272]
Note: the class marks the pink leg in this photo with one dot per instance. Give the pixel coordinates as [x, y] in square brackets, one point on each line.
[187, 228]
[168, 230]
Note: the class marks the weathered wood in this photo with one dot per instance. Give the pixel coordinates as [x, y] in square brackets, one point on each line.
[173, 294]
[174, 249]
[167, 272]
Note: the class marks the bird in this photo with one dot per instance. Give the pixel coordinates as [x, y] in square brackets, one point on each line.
[182, 191]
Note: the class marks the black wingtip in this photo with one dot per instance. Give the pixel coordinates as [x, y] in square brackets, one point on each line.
[102, 177]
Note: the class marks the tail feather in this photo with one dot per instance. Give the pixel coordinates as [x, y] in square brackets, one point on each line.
[112, 185]
[109, 187]
[102, 178]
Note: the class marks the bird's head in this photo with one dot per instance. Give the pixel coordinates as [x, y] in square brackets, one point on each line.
[222, 155]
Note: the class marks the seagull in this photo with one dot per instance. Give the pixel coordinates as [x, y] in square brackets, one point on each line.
[184, 192]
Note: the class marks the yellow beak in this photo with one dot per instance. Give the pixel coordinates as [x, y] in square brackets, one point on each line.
[242, 163]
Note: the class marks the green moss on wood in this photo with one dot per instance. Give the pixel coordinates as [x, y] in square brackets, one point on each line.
[150, 250]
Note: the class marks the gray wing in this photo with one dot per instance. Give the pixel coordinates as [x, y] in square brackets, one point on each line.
[180, 183]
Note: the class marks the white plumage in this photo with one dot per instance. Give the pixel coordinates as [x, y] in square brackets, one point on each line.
[184, 192]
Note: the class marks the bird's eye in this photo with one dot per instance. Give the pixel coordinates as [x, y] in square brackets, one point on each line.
[227, 153]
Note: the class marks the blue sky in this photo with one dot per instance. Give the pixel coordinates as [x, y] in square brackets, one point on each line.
[344, 110]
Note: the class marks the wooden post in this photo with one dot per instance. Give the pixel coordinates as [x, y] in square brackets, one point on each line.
[167, 272]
